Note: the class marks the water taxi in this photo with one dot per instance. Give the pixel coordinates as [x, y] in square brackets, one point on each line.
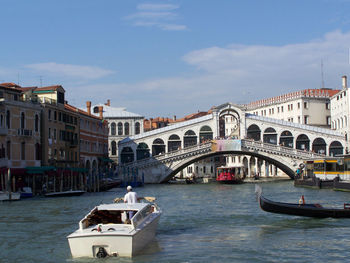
[106, 231]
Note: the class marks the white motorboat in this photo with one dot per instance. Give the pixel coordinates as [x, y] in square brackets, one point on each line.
[6, 196]
[105, 231]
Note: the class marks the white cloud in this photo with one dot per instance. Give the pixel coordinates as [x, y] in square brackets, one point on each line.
[156, 15]
[236, 73]
[68, 70]
[158, 7]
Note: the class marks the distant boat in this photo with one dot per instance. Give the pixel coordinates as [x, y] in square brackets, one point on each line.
[6, 196]
[308, 210]
[65, 193]
[26, 192]
[229, 175]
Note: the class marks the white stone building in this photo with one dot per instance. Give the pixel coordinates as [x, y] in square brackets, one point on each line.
[121, 124]
[309, 106]
[340, 103]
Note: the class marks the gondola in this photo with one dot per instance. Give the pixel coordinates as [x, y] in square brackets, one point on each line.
[308, 210]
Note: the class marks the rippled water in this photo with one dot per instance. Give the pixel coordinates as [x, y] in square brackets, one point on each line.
[200, 223]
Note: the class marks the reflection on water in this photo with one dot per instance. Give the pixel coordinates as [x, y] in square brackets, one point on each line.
[200, 223]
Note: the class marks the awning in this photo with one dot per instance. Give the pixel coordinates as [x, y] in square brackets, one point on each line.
[106, 159]
[39, 169]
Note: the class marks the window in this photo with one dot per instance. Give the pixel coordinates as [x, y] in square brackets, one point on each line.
[60, 97]
[49, 115]
[22, 120]
[120, 128]
[8, 150]
[126, 128]
[23, 151]
[8, 123]
[328, 120]
[281, 108]
[278, 109]
[36, 125]
[55, 134]
[49, 136]
[305, 105]
[113, 128]
[327, 105]
[137, 128]
[298, 105]
[306, 119]
[55, 115]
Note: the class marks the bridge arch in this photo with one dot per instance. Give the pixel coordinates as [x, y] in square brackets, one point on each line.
[270, 136]
[319, 146]
[205, 134]
[302, 142]
[271, 160]
[174, 143]
[286, 139]
[127, 155]
[254, 132]
[158, 147]
[190, 138]
[142, 151]
[336, 148]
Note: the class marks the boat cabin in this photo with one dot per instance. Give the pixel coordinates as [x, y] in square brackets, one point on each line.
[116, 214]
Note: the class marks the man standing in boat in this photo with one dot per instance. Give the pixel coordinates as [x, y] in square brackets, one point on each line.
[130, 198]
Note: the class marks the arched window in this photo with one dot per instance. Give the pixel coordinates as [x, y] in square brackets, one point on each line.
[127, 155]
[113, 128]
[8, 118]
[205, 134]
[335, 148]
[270, 136]
[190, 138]
[174, 143]
[36, 124]
[303, 142]
[126, 128]
[137, 128]
[254, 132]
[158, 147]
[319, 146]
[120, 128]
[142, 151]
[114, 148]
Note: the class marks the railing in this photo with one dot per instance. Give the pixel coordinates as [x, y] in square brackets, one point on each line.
[24, 132]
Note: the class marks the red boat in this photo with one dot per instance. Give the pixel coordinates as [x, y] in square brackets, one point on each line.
[229, 175]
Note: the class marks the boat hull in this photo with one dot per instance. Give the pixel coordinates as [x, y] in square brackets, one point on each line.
[5, 196]
[308, 210]
[123, 245]
[66, 193]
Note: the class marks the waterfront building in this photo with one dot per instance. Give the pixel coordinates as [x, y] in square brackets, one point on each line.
[60, 128]
[340, 103]
[121, 124]
[20, 134]
[93, 140]
[309, 106]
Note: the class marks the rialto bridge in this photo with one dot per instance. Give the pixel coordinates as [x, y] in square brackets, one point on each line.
[160, 154]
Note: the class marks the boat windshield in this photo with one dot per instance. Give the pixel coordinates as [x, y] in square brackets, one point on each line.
[104, 217]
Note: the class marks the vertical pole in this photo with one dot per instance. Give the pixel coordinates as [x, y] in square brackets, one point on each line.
[9, 183]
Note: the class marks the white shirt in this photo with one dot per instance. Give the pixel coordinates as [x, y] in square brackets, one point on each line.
[130, 198]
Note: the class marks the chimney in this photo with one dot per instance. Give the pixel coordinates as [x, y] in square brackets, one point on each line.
[108, 103]
[345, 83]
[88, 106]
[174, 117]
[100, 111]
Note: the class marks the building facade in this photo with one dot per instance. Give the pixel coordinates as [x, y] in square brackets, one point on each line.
[121, 124]
[310, 106]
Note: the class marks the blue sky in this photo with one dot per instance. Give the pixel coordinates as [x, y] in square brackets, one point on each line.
[165, 58]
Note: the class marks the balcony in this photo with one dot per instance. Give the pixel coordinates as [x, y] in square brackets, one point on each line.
[24, 132]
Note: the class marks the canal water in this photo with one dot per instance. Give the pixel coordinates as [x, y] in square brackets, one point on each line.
[200, 223]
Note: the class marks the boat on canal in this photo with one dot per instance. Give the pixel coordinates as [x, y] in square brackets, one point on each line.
[229, 175]
[301, 208]
[65, 193]
[106, 231]
[6, 196]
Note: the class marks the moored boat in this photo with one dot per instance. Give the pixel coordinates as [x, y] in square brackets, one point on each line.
[229, 175]
[6, 196]
[106, 231]
[301, 209]
[65, 193]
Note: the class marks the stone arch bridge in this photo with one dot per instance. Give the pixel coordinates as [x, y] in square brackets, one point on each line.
[228, 129]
